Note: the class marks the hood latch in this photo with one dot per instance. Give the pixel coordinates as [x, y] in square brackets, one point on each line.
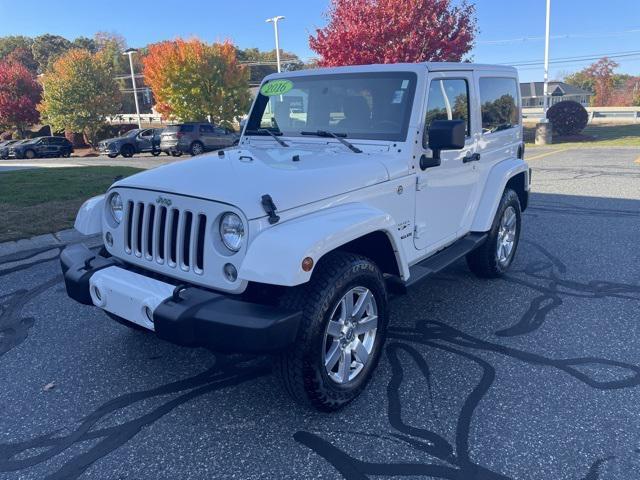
[270, 209]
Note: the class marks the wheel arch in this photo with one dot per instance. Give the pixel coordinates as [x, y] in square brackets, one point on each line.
[275, 255]
[510, 173]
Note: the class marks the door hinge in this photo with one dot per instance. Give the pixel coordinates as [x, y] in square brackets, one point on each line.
[419, 185]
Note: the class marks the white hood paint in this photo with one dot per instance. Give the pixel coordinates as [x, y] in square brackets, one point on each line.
[243, 175]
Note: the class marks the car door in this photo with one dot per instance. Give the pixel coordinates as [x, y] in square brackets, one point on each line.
[445, 193]
[207, 136]
[144, 139]
[43, 147]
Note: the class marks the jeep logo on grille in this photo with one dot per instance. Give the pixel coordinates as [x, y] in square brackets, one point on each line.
[163, 201]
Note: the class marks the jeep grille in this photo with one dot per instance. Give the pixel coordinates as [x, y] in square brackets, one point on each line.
[165, 235]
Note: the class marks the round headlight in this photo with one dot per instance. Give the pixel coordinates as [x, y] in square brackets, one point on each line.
[115, 207]
[231, 231]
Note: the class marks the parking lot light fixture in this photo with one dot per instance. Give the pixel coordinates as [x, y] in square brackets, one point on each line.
[275, 20]
[130, 52]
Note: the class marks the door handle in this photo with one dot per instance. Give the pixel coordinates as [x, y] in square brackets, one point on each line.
[471, 157]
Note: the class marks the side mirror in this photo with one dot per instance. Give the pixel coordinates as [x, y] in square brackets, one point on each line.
[443, 135]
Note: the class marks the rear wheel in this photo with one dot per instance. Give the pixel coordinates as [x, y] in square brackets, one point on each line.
[112, 155]
[493, 258]
[176, 153]
[155, 153]
[196, 148]
[341, 334]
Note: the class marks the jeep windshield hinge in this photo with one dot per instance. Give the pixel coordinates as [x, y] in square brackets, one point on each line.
[270, 208]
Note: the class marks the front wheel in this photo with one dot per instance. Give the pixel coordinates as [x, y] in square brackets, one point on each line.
[493, 258]
[127, 151]
[155, 153]
[112, 155]
[341, 334]
[29, 154]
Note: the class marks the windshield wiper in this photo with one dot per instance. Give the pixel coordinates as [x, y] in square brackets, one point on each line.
[337, 136]
[274, 135]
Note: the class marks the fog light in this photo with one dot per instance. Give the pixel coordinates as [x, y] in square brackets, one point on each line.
[230, 272]
[97, 294]
[109, 239]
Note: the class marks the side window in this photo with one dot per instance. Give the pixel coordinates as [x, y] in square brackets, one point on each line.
[146, 133]
[206, 129]
[499, 104]
[186, 128]
[219, 131]
[448, 100]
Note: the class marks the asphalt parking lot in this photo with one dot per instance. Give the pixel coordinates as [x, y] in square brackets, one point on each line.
[534, 376]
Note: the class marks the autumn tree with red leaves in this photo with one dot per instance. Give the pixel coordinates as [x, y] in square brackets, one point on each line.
[19, 95]
[603, 81]
[363, 32]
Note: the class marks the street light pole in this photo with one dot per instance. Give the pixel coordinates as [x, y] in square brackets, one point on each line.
[130, 53]
[546, 62]
[275, 20]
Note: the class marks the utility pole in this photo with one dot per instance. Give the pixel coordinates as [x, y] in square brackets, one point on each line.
[130, 52]
[275, 20]
[546, 62]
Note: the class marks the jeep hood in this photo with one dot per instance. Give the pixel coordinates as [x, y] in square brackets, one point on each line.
[242, 176]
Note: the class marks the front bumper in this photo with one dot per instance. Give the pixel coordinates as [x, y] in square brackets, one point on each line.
[188, 316]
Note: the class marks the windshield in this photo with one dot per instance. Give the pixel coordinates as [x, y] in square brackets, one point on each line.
[374, 106]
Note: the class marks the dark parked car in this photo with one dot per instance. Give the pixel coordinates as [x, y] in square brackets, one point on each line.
[134, 141]
[4, 148]
[42, 147]
[196, 138]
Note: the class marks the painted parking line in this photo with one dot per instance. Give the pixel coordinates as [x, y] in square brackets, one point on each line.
[546, 154]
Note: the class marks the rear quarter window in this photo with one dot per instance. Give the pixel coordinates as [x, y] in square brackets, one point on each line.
[499, 103]
[186, 128]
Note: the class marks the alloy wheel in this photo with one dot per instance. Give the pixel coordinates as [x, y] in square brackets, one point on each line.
[506, 235]
[350, 335]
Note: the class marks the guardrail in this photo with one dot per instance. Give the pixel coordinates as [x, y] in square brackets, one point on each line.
[133, 118]
[596, 114]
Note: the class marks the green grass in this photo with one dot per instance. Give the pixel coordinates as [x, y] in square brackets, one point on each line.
[33, 202]
[603, 135]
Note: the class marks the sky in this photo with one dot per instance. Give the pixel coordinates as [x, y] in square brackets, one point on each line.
[511, 31]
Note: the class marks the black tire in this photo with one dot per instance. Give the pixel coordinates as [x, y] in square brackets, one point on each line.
[176, 154]
[29, 154]
[155, 153]
[168, 153]
[126, 323]
[196, 148]
[127, 151]
[301, 367]
[484, 261]
[112, 155]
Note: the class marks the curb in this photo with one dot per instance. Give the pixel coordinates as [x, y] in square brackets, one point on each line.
[48, 240]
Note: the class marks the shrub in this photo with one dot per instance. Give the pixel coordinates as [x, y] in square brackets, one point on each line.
[568, 117]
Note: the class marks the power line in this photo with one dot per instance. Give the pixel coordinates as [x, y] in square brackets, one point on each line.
[508, 41]
[591, 56]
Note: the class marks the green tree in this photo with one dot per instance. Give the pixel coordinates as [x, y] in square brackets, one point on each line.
[85, 43]
[289, 62]
[192, 80]
[79, 92]
[47, 48]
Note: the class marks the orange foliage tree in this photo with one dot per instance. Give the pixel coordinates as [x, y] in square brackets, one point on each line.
[193, 81]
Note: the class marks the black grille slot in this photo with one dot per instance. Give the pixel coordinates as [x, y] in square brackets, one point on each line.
[162, 232]
[139, 221]
[186, 238]
[151, 213]
[129, 223]
[200, 232]
[173, 239]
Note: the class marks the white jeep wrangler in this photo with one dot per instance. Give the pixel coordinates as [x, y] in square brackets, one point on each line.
[346, 182]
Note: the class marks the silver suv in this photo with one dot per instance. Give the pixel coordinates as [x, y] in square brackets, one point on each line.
[196, 138]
